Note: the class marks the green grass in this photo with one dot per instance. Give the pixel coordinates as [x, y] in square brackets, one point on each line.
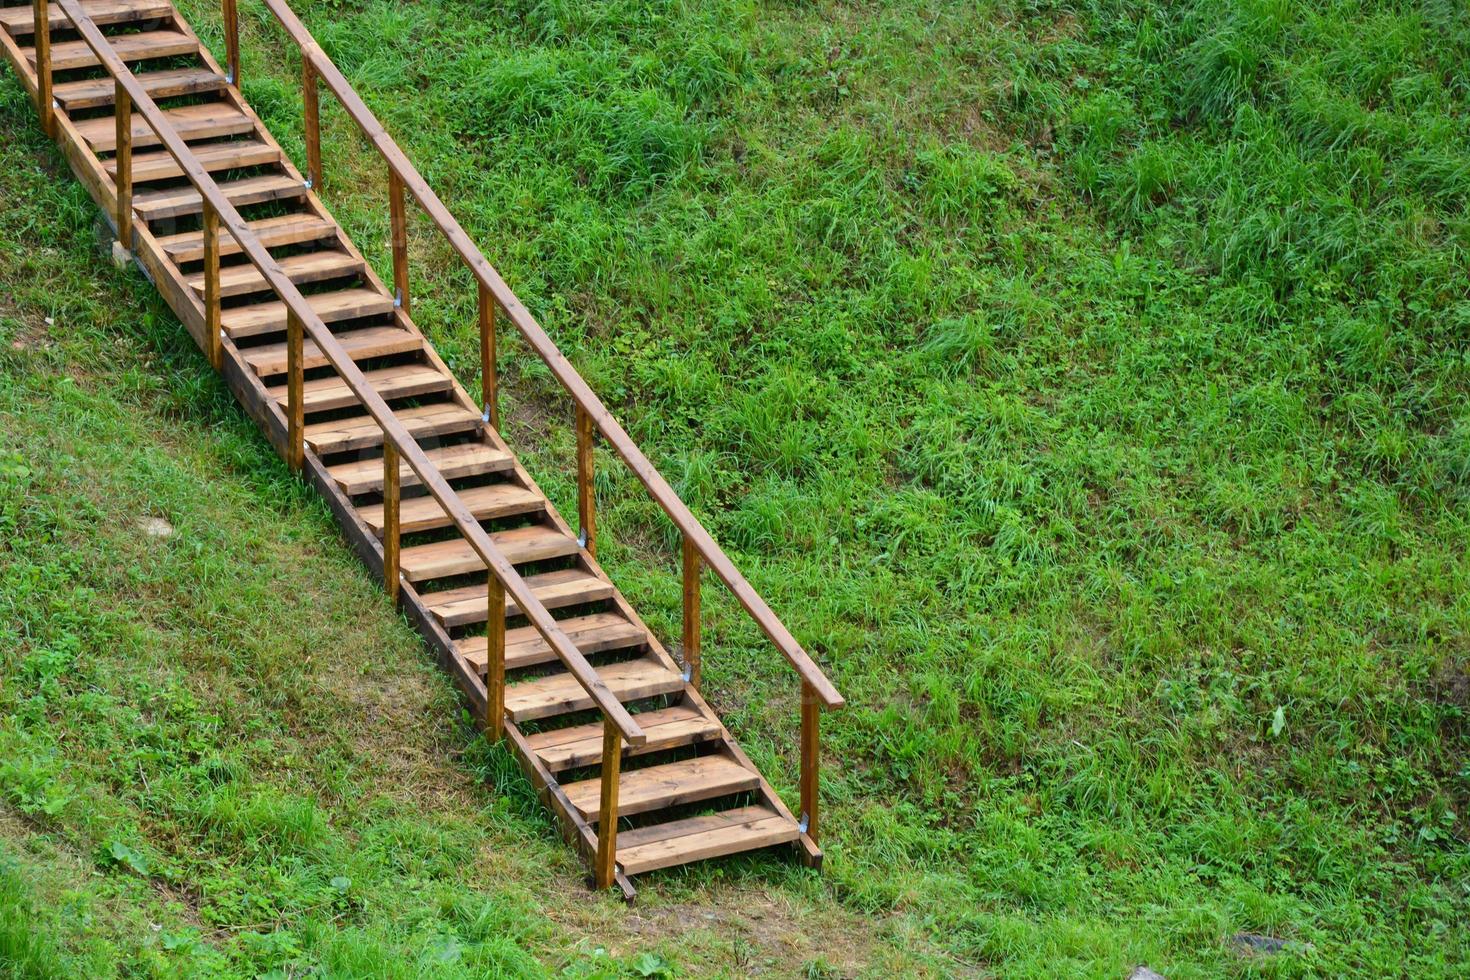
[1084, 384]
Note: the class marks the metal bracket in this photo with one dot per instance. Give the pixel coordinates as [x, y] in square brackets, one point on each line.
[582, 538]
[230, 77]
[306, 183]
[688, 673]
[803, 823]
[397, 299]
[485, 415]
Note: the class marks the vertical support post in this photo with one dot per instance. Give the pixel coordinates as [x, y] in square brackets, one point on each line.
[691, 612]
[811, 713]
[232, 41]
[42, 10]
[311, 115]
[607, 814]
[390, 518]
[123, 114]
[295, 397]
[495, 660]
[489, 381]
[400, 239]
[586, 499]
[211, 287]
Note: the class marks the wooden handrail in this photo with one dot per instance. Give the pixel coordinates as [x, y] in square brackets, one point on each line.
[586, 400]
[616, 714]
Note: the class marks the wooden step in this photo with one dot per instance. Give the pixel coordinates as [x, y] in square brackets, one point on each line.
[193, 122]
[361, 345]
[130, 47]
[399, 381]
[21, 21]
[176, 202]
[238, 280]
[524, 647]
[671, 784]
[581, 745]
[568, 587]
[287, 229]
[452, 462]
[560, 694]
[664, 845]
[443, 559]
[363, 432]
[265, 318]
[158, 165]
[494, 500]
[95, 93]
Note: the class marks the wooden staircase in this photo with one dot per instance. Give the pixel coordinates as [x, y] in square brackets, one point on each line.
[612, 730]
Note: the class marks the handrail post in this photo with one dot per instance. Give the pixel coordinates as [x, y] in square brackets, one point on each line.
[311, 116]
[42, 10]
[495, 660]
[586, 498]
[400, 239]
[211, 287]
[232, 42]
[811, 713]
[489, 382]
[691, 613]
[390, 518]
[295, 397]
[123, 161]
[607, 813]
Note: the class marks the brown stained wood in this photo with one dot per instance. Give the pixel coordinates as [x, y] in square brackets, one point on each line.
[586, 493]
[390, 521]
[295, 400]
[597, 633]
[667, 785]
[581, 745]
[487, 502]
[811, 713]
[231, 18]
[560, 694]
[240, 280]
[608, 806]
[398, 221]
[691, 638]
[258, 319]
[289, 229]
[444, 559]
[422, 422]
[452, 462]
[41, 59]
[130, 47]
[361, 345]
[123, 174]
[21, 21]
[489, 379]
[212, 310]
[700, 838]
[311, 116]
[177, 202]
[555, 590]
[207, 121]
[96, 93]
[402, 381]
[495, 659]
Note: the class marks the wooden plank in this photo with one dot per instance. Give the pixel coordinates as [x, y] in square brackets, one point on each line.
[608, 806]
[95, 93]
[486, 503]
[399, 381]
[444, 559]
[209, 121]
[270, 359]
[581, 745]
[286, 229]
[176, 202]
[238, 280]
[671, 784]
[20, 21]
[346, 304]
[421, 421]
[555, 590]
[455, 556]
[562, 693]
[129, 47]
[701, 838]
[524, 647]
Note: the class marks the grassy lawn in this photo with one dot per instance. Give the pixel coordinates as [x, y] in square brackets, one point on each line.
[1085, 384]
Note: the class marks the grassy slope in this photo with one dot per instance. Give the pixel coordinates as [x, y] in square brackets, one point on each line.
[1084, 383]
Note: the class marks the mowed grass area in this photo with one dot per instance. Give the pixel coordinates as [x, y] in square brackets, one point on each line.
[1085, 384]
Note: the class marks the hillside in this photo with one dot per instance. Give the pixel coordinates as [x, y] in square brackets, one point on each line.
[1085, 384]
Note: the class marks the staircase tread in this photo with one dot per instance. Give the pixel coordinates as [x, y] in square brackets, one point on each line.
[670, 784]
[205, 121]
[67, 55]
[237, 280]
[363, 432]
[581, 745]
[466, 459]
[286, 229]
[20, 21]
[270, 317]
[443, 559]
[360, 344]
[176, 202]
[398, 381]
[524, 647]
[698, 838]
[561, 693]
[565, 587]
[424, 513]
[95, 93]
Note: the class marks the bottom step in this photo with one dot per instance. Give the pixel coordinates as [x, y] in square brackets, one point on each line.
[698, 838]
[660, 787]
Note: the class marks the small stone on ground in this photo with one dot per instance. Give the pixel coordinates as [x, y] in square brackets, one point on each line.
[1144, 973]
[156, 527]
